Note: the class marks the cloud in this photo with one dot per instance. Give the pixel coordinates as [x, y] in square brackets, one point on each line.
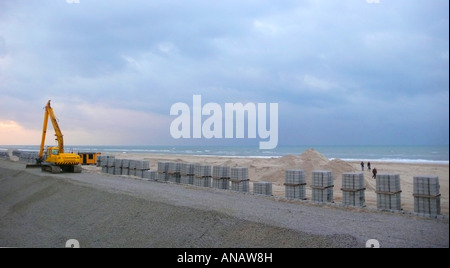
[331, 59]
[12, 132]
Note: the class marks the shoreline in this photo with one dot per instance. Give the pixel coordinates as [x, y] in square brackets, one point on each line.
[386, 154]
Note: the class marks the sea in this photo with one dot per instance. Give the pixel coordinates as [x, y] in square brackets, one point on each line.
[398, 154]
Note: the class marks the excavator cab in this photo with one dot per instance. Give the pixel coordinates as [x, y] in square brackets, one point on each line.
[52, 151]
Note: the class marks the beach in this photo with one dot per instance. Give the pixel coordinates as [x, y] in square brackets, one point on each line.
[273, 170]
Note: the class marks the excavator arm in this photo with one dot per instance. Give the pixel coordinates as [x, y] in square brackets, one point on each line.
[59, 136]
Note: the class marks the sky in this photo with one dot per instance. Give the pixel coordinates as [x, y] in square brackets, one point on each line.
[343, 72]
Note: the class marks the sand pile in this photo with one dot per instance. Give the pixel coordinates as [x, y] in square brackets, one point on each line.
[274, 169]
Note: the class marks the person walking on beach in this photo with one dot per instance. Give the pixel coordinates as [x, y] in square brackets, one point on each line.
[368, 166]
[374, 172]
[362, 165]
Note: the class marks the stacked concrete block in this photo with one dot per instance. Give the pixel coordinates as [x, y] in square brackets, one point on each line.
[187, 173]
[163, 169]
[4, 155]
[388, 192]
[28, 157]
[322, 186]
[203, 174]
[117, 171]
[150, 175]
[105, 170]
[353, 189]
[125, 164]
[118, 163]
[103, 161]
[174, 172]
[203, 170]
[427, 196]
[111, 170]
[202, 182]
[295, 183]
[262, 188]
[140, 167]
[111, 161]
[221, 183]
[221, 177]
[240, 179]
[132, 164]
[132, 172]
[221, 172]
[125, 171]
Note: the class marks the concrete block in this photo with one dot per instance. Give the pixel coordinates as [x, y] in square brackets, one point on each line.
[118, 163]
[262, 188]
[175, 177]
[163, 177]
[221, 183]
[389, 201]
[125, 171]
[111, 161]
[354, 181]
[203, 170]
[296, 192]
[242, 186]
[111, 170]
[426, 185]
[132, 164]
[163, 167]
[322, 178]
[202, 182]
[187, 169]
[221, 172]
[239, 173]
[187, 179]
[174, 167]
[150, 175]
[142, 165]
[388, 183]
[126, 163]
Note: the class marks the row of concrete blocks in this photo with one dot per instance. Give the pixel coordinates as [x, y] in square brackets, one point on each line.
[353, 187]
[4, 155]
[111, 161]
[219, 177]
[144, 174]
[322, 185]
[27, 157]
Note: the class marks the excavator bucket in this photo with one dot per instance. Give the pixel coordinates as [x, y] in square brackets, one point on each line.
[34, 166]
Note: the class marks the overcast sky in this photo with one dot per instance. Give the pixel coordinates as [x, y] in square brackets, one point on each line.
[344, 72]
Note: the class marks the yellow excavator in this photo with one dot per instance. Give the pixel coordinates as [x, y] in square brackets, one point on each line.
[55, 160]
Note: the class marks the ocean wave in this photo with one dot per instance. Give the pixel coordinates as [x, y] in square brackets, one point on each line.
[396, 160]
